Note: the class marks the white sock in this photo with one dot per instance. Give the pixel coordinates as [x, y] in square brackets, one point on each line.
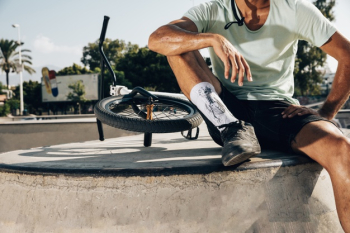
[204, 96]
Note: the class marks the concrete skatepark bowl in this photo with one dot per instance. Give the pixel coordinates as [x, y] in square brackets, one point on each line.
[176, 185]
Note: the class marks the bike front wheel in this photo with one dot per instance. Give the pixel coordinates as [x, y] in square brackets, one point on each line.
[170, 114]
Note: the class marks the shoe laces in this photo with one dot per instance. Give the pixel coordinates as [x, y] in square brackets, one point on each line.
[239, 126]
[235, 123]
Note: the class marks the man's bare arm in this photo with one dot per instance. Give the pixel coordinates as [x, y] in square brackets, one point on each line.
[181, 36]
[178, 37]
[339, 48]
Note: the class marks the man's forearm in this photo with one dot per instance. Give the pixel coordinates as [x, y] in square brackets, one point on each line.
[340, 91]
[172, 40]
[339, 48]
[181, 36]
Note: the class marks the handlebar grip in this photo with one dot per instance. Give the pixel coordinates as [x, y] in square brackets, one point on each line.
[104, 29]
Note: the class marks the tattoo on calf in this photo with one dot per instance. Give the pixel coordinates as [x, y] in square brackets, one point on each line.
[213, 105]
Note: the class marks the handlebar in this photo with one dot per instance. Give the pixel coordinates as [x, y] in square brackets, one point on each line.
[104, 29]
[141, 91]
[104, 61]
[102, 38]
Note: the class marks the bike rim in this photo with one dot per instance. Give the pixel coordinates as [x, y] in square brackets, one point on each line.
[163, 109]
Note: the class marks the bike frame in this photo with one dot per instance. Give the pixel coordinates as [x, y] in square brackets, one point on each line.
[136, 90]
[117, 90]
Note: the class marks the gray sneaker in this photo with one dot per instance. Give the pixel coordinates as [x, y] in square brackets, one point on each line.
[240, 143]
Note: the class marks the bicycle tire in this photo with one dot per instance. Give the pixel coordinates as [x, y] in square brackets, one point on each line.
[119, 112]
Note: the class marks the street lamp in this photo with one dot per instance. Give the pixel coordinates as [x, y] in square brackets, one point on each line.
[20, 71]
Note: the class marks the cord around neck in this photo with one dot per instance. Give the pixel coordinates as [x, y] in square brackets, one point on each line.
[239, 21]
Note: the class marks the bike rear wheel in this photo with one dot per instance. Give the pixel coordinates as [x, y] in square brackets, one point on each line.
[170, 114]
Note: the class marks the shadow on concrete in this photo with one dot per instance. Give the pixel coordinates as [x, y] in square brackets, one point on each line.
[115, 158]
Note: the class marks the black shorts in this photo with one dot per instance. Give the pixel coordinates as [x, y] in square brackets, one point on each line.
[272, 131]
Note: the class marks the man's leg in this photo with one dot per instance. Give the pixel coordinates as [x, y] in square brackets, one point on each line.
[325, 144]
[191, 69]
[197, 82]
[200, 86]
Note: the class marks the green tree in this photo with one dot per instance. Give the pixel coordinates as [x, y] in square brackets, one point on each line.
[121, 80]
[12, 104]
[11, 57]
[310, 60]
[74, 69]
[77, 94]
[133, 66]
[5, 109]
[113, 49]
[145, 68]
[32, 96]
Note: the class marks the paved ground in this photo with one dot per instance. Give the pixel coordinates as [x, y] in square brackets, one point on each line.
[22, 135]
[169, 153]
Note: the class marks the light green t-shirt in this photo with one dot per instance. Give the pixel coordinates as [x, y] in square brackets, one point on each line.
[269, 51]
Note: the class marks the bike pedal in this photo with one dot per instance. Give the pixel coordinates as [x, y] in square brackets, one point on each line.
[189, 134]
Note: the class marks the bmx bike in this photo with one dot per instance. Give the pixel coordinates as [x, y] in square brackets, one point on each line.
[142, 111]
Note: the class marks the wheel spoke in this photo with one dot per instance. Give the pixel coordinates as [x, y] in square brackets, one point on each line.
[169, 114]
[161, 111]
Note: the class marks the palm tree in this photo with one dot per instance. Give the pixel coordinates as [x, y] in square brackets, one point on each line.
[9, 58]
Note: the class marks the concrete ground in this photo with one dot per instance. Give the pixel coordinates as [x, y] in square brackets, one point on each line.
[168, 153]
[15, 135]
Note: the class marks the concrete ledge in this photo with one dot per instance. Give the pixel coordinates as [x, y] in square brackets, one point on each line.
[290, 199]
[174, 186]
[126, 156]
[128, 165]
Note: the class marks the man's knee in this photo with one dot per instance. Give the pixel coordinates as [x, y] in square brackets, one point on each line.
[343, 155]
[339, 160]
[172, 60]
[184, 57]
[315, 131]
[324, 142]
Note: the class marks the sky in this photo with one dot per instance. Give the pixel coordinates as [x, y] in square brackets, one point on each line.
[57, 31]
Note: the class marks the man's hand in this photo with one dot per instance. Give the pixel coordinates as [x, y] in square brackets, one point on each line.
[297, 110]
[232, 59]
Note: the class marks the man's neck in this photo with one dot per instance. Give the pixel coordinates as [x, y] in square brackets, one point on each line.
[249, 5]
[255, 12]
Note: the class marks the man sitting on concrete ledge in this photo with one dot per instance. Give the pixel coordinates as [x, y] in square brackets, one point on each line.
[257, 39]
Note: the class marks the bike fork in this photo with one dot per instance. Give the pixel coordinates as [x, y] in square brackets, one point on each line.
[147, 139]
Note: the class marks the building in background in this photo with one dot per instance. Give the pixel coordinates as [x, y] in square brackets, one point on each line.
[2, 99]
[5, 95]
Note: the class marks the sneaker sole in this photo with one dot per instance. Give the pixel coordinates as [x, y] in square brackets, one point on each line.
[239, 158]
